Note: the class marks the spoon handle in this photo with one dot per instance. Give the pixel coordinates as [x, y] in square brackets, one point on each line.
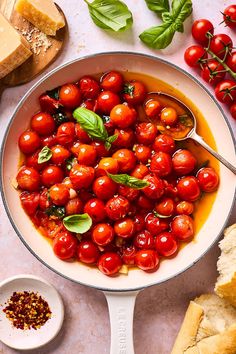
[200, 140]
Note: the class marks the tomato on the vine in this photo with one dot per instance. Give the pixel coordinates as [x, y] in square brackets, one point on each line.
[221, 44]
[231, 61]
[229, 16]
[233, 110]
[195, 55]
[201, 30]
[225, 91]
[213, 72]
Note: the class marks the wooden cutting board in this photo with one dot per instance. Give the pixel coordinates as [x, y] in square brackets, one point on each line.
[45, 48]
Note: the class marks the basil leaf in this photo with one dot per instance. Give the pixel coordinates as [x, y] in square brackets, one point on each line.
[129, 89]
[158, 6]
[44, 155]
[110, 14]
[53, 93]
[181, 9]
[129, 181]
[54, 210]
[79, 223]
[110, 140]
[158, 37]
[70, 162]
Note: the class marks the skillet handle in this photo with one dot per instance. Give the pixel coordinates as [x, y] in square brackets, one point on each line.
[121, 310]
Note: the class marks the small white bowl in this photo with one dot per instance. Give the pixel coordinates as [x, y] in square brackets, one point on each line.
[30, 339]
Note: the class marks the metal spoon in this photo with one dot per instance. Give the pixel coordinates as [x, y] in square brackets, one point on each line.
[192, 133]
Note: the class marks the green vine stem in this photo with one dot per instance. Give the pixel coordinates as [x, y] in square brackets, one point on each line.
[214, 56]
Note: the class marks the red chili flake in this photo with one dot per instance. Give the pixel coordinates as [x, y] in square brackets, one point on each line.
[27, 310]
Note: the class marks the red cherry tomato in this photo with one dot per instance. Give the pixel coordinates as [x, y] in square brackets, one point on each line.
[112, 81]
[146, 133]
[107, 164]
[59, 194]
[104, 188]
[70, 96]
[182, 227]
[140, 171]
[155, 225]
[221, 44]
[103, 234]
[139, 222]
[233, 110]
[109, 263]
[123, 116]
[81, 176]
[145, 203]
[100, 148]
[32, 161]
[66, 133]
[165, 207]
[117, 207]
[48, 104]
[86, 155]
[147, 259]
[195, 55]
[96, 209]
[161, 164]
[29, 142]
[126, 159]
[128, 254]
[88, 252]
[89, 104]
[135, 92]
[213, 72]
[81, 134]
[28, 179]
[165, 244]
[208, 179]
[229, 16]
[231, 61]
[124, 228]
[144, 240]
[169, 116]
[143, 153]
[64, 245]
[124, 138]
[29, 202]
[152, 108]
[155, 189]
[89, 87]
[130, 193]
[74, 206]
[106, 101]
[43, 123]
[49, 140]
[52, 175]
[44, 201]
[201, 30]
[183, 162]
[184, 207]
[188, 189]
[225, 91]
[59, 154]
[164, 143]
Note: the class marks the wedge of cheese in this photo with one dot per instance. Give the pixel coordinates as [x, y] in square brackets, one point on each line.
[43, 14]
[14, 48]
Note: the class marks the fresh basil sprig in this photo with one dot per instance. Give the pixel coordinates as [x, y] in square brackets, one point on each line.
[93, 125]
[128, 181]
[110, 14]
[44, 155]
[79, 223]
[159, 37]
[158, 6]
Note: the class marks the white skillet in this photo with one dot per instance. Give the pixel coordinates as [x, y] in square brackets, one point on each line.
[120, 291]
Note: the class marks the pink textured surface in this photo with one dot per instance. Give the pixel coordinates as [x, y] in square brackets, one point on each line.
[159, 310]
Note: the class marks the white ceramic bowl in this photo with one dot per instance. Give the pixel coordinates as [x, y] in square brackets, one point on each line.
[30, 339]
[135, 63]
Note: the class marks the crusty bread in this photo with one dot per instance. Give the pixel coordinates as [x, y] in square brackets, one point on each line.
[209, 327]
[226, 283]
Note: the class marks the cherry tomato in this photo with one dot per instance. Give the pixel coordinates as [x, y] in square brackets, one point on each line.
[225, 91]
[164, 143]
[103, 234]
[229, 16]
[49, 140]
[182, 227]
[59, 194]
[130, 193]
[213, 72]
[161, 164]
[64, 245]
[221, 44]
[81, 134]
[109, 263]
[100, 148]
[201, 29]
[124, 138]
[146, 133]
[28, 179]
[106, 101]
[195, 55]
[135, 92]
[165, 244]
[112, 81]
[144, 240]
[87, 252]
[29, 142]
[145, 203]
[29, 202]
[123, 116]
[43, 123]
[108, 124]
[147, 259]
[70, 96]
[59, 154]
[155, 225]
[128, 254]
[152, 108]
[169, 116]
[231, 61]
[32, 161]
[155, 189]
[188, 189]
[104, 188]
[44, 201]
[140, 171]
[124, 228]
[52, 175]
[165, 207]
[87, 155]
[143, 153]
[74, 206]
[183, 162]
[66, 133]
[126, 160]
[89, 87]
[184, 207]
[171, 190]
[117, 207]
[81, 176]
[89, 104]
[208, 179]
[233, 110]
[139, 222]
[48, 104]
[107, 164]
[96, 209]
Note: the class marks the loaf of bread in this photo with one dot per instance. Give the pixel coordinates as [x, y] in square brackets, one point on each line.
[226, 283]
[209, 327]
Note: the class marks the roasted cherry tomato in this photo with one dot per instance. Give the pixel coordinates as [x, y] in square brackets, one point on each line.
[225, 91]
[125, 138]
[96, 209]
[49, 140]
[147, 259]
[195, 55]
[59, 194]
[29, 202]
[70, 96]
[165, 207]
[104, 188]
[152, 108]
[221, 44]
[117, 207]
[123, 116]
[32, 161]
[28, 179]
[145, 203]
[146, 133]
[81, 134]
[74, 206]
[52, 175]
[155, 189]
[48, 104]
[165, 244]
[44, 201]
[29, 142]
[183, 162]
[103, 234]
[130, 193]
[66, 133]
[140, 171]
[109, 263]
[164, 143]
[106, 101]
[81, 176]
[202, 30]
[87, 252]
[155, 225]
[182, 227]
[64, 245]
[107, 164]
[139, 222]
[124, 228]
[144, 240]
[126, 160]
[161, 164]
[89, 104]
[59, 154]
[100, 148]
[128, 254]
[184, 207]
[87, 155]
[112, 81]
[89, 87]
[169, 116]
[229, 16]
[208, 179]
[43, 123]
[188, 189]
[143, 153]
[134, 92]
